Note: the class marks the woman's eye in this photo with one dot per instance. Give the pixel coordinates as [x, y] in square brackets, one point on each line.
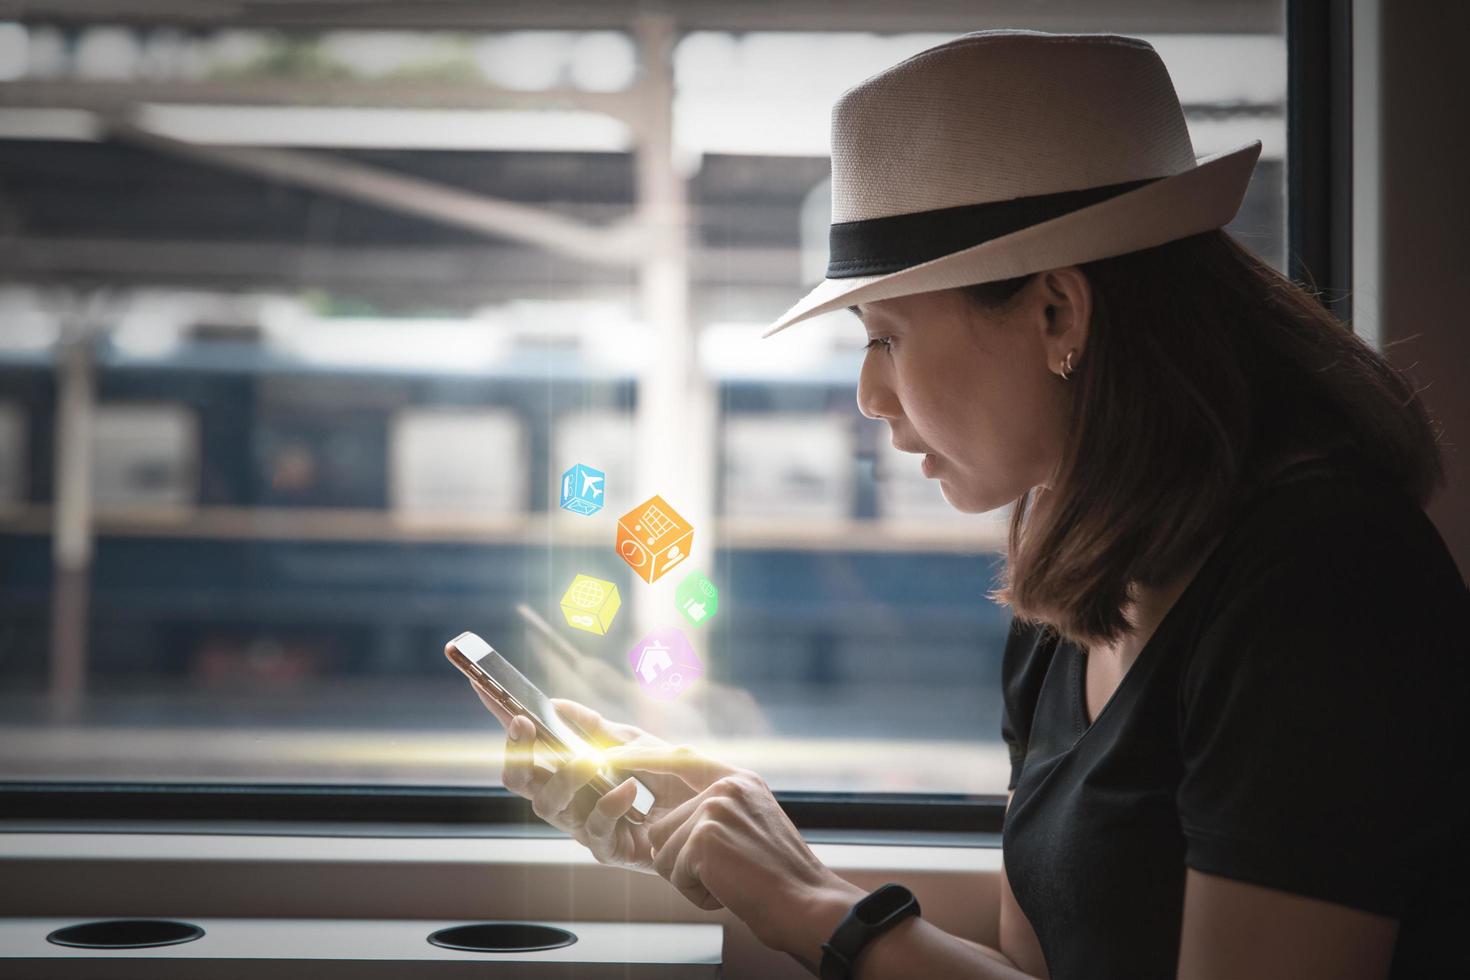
[884, 342]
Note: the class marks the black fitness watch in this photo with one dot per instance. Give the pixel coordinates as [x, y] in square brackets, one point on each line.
[870, 917]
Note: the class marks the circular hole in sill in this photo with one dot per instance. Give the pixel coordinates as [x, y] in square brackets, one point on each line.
[125, 934]
[502, 937]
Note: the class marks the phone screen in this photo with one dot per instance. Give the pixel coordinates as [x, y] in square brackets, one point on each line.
[501, 673]
[504, 682]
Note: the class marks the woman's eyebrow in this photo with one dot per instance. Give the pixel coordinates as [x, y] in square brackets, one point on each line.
[855, 312]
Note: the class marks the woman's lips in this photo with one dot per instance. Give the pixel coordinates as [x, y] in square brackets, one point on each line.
[929, 464]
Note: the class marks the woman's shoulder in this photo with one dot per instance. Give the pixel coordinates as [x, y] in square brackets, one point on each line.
[1335, 536]
[1323, 509]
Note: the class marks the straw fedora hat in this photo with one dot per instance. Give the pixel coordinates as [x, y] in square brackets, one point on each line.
[1006, 152]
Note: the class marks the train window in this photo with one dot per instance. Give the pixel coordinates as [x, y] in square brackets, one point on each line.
[384, 335]
[144, 457]
[789, 465]
[448, 462]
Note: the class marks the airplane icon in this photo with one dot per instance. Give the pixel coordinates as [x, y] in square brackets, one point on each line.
[582, 489]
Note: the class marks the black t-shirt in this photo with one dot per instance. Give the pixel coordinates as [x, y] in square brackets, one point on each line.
[1297, 720]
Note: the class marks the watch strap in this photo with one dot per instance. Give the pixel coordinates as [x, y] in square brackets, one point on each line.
[870, 917]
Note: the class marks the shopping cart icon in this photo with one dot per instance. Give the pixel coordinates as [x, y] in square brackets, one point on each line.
[654, 524]
[652, 538]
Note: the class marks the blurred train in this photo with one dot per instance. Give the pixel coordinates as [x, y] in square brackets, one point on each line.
[267, 522]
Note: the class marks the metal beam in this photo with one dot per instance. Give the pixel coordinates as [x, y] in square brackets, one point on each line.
[115, 96]
[612, 245]
[884, 16]
[469, 271]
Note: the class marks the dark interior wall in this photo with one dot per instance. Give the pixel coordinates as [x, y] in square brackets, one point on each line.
[1425, 247]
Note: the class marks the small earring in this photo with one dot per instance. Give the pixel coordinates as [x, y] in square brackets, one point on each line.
[1067, 370]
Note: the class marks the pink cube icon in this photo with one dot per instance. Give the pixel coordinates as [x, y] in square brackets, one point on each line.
[664, 663]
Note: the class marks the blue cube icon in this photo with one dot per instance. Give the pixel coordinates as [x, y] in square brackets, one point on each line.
[582, 490]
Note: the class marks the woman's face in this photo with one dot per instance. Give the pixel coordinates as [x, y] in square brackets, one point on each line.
[977, 392]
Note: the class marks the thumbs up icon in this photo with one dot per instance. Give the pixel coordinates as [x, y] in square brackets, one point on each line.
[697, 598]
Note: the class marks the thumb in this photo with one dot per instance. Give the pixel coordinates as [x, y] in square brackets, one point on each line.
[579, 714]
[596, 726]
[696, 770]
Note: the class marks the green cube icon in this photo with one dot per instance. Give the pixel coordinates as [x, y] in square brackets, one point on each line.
[697, 598]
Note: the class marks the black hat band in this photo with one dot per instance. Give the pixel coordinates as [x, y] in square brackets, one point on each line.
[877, 246]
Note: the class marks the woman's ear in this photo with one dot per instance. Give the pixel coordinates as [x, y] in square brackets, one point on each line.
[1065, 295]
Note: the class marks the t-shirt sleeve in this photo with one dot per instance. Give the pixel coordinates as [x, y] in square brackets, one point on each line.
[1316, 717]
[1022, 671]
[1014, 745]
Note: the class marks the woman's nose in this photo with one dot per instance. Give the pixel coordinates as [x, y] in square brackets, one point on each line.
[874, 399]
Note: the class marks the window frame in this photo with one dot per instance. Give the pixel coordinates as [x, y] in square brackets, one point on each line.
[363, 805]
[1319, 229]
[1319, 150]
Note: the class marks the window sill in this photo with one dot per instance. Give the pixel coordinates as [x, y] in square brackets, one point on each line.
[454, 831]
[325, 949]
[522, 877]
[500, 850]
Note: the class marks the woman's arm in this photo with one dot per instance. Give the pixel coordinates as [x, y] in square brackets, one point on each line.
[732, 845]
[717, 822]
[1237, 928]
[913, 948]
[916, 947]
[1015, 933]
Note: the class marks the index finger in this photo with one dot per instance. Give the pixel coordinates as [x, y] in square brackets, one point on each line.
[495, 706]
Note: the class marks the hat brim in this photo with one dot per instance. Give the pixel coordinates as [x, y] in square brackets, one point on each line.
[1204, 197]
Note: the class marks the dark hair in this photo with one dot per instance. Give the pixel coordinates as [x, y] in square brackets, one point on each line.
[1204, 370]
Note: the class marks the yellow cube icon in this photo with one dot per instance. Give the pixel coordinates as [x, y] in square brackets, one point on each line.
[653, 538]
[590, 604]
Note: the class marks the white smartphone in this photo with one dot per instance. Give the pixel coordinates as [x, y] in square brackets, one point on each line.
[499, 680]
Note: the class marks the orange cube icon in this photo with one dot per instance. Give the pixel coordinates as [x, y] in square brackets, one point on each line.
[653, 538]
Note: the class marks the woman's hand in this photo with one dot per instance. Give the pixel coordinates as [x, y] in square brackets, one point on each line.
[554, 797]
[730, 844]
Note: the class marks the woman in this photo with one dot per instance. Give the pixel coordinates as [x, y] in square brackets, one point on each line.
[1236, 653]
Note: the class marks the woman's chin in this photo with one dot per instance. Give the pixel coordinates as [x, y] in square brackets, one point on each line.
[964, 499]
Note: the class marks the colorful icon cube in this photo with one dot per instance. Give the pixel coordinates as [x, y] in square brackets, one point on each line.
[697, 598]
[590, 604]
[582, 489]
[653, 538]
[664, 663]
